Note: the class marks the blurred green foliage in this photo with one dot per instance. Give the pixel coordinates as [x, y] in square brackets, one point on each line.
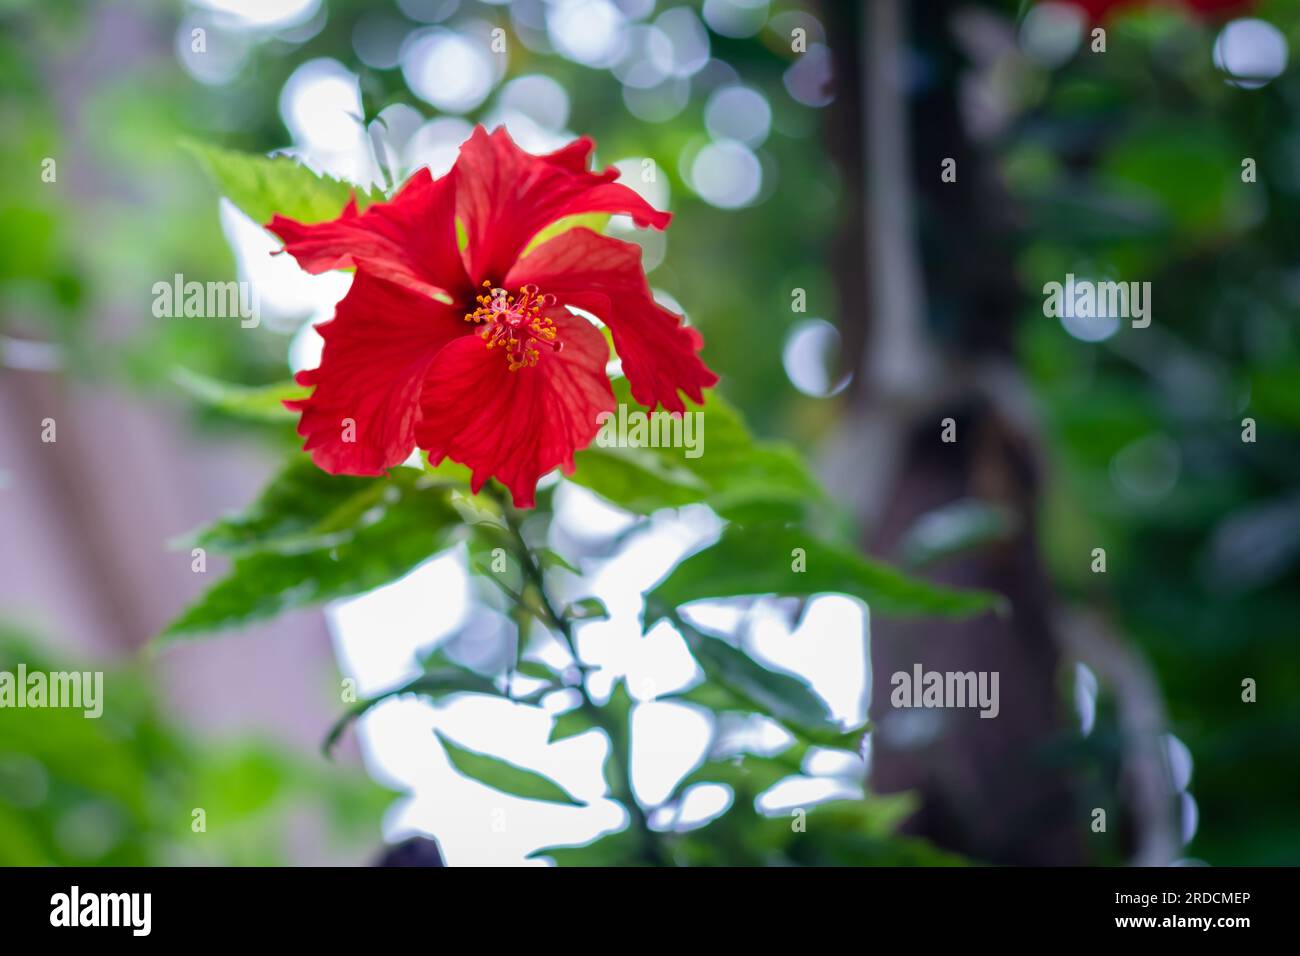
[121, 789]
[1130, 168]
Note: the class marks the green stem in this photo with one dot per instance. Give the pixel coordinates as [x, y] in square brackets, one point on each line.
[619, 738]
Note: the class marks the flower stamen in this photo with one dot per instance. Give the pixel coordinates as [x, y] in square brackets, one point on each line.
[516, 323]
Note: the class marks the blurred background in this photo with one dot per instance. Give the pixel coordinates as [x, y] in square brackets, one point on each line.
[851, 297]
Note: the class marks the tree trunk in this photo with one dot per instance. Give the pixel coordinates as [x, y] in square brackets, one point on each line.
[988, 788]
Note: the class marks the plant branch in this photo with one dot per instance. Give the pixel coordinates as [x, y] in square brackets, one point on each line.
[619, 738]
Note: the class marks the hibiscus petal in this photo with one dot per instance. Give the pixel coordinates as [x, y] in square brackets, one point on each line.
[361, 418]
[604, 276]
[516, 426]
[505, 196]
[410, 239]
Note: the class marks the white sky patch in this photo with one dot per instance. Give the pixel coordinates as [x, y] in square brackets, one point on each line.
[379, 634]
[321, 106]
[794, 792]
[668, 741]
[436, 144]
[828, 649]
[288, 296]
[645, 179]
[700, 803]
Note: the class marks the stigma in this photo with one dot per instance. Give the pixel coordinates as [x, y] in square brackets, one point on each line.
[515, 323]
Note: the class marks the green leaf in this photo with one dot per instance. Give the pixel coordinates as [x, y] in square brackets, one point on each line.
[570, 724]
[258, 403]
[760, 559]
[746, 774]
[595, 221]
[549, 558]
[618, 709]
[477, 510]
[587, 609]
[850, 740]
[303, 509]
[433, 684]
[505, 776]
[616, 848]
[956, 527]
[371, 538]
[616, 714]
[535, 670]
[709, 695]
[262, 186]
[859, 833]
[452, 471]
[856, 832]
[781, 696]
[713, 695]
[733, 474]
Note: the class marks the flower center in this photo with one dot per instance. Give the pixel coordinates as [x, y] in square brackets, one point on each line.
[515, 323]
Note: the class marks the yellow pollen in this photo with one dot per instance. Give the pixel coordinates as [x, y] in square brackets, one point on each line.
[516, 324]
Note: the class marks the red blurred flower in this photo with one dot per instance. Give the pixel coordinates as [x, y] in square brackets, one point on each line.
[1100, 10]
[472, 355]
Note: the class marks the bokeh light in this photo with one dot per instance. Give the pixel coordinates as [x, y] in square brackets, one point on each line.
[264, 14]
[690, 41]
[648, 59]
[428, 11]
[211, 55]
[1051, 33]
[659, 103]
[808, 80]
[591, 32]
[321, 106]
[727, 174]
[377, 38]
[739, 113]
[538, 97]
[811, 350]
[449, 70]
[735, 18]
[1251, 52]
[436, 143]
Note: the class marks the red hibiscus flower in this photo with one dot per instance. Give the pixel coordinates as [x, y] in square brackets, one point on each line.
[471, 354]
[1100, 10]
